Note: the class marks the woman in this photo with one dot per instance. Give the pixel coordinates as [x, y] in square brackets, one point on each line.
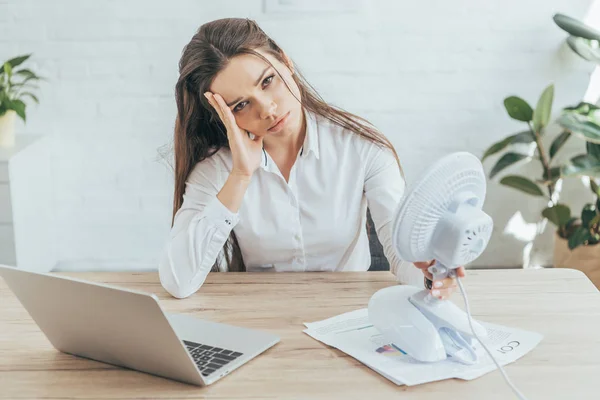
[268, 176]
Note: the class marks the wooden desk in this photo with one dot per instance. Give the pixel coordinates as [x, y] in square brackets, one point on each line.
[561, 304]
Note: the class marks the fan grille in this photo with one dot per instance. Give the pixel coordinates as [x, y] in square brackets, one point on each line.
[429, 198]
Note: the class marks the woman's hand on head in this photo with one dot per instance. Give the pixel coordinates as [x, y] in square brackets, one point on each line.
[246, 152]
[444, 288]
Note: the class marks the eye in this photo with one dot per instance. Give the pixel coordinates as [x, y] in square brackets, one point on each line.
[268, 78]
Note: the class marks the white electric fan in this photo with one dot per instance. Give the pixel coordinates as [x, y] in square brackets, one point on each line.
[439, 218]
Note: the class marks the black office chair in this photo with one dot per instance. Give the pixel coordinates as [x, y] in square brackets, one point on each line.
[378, 260]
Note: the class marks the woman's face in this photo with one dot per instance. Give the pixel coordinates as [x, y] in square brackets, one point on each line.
[257, 96]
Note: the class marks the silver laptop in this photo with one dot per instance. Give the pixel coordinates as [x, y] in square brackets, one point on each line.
[129, 329]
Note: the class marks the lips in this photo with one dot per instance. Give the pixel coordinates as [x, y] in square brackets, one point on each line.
[278, 120]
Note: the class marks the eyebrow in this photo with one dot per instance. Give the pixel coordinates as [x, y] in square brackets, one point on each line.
[256, 84]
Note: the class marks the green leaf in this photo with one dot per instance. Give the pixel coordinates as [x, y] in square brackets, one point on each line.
[14, 62]
[558, 142]
[27, 73]
[25, 85]
[585, 48]
[595, 188]
[7, 68]
[19, 108]
[523, 184]
[584, 160]
[595, 222]
[518, 109]
[505, 161]
[28, 81]
[24, 81]
[521, 137]
[582, 165]
[558, 214]
[582, 108]
[496, 147]
[588, 213]
[593, 149]
[581, 126]
[570, 222]
[575, 27]
[579, 237]
[541, 116]
[33, 97]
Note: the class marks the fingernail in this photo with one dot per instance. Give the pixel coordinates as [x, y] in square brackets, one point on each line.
[206, 95]
[437, 284]
[435, 292]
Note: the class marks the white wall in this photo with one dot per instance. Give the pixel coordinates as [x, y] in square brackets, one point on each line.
[431, 75]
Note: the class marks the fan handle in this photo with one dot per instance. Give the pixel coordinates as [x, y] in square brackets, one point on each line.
[439, 271]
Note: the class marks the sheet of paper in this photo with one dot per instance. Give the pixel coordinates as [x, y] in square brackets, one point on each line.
[353, 334]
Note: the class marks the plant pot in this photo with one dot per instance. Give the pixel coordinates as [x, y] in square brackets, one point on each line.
[7, 128]
[583, 258]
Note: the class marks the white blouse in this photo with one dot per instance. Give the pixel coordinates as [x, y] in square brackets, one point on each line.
[314, 222]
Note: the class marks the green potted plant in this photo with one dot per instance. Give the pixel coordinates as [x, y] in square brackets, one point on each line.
[577, 235]
[15, 86]
[582, 248]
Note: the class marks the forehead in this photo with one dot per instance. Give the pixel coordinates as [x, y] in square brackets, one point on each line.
[240, 75]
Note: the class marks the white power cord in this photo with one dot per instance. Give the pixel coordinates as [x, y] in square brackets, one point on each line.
[520, 395]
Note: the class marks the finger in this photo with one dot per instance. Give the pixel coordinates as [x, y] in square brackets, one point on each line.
[225, 111]
[460, 272]
[420, 265]
[442, 293]
[444, 283]
[214, 105]
[235, 135]
[209, 98]
[423, 264]
[218, 106]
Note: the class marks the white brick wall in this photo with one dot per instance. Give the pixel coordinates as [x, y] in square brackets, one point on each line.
[431, 74]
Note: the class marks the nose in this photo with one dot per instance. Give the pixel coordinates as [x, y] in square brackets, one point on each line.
[268, 109]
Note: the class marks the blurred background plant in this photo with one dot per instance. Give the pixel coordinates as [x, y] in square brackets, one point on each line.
[581, 121]
[16, 85]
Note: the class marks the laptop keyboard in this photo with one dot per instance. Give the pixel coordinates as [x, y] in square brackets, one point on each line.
[209, 359]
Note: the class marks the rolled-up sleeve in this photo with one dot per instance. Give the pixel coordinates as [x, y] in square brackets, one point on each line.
[200, 229]
[384, 188]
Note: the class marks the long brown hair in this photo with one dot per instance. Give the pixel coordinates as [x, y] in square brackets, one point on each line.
[199, 132]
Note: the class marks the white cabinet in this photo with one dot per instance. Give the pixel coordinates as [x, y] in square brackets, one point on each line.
[5, 208]
[7, 240]
[26, 216]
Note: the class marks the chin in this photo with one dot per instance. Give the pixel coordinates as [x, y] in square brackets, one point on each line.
[283, 132]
